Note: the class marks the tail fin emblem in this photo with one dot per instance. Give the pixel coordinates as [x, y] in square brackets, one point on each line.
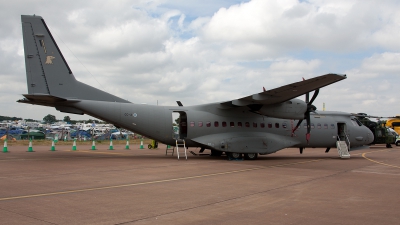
[49, 59]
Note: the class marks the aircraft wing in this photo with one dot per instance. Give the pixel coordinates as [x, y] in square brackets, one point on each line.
[287, 92]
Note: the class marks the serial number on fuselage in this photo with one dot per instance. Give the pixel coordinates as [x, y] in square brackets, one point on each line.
[130, 114]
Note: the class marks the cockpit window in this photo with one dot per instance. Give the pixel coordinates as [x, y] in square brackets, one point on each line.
[358, 122]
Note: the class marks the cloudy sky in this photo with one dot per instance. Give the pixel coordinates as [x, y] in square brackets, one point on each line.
[212, 50]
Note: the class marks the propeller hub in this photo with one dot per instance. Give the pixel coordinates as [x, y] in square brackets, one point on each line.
[311, 108]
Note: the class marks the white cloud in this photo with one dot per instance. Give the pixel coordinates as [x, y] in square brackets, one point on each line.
[277, 27]
[199, 52]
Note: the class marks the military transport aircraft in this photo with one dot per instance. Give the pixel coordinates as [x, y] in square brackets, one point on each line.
[261, 123]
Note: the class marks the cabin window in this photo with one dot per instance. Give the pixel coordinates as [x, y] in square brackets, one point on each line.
[192, 124]
[269, 125]
[262, 125]
[208, 124]
[254, 124]
[312, 126]
[325, 126]
[216, 124]
[332, 126]
[223, 124]
[200, 124]
[284, 125]
[276, 125]
[239, 124]
[247, 124]
[232, 124]
[319, 126]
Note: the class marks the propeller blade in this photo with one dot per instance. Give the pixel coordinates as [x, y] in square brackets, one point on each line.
[307, 97]
[314, 96]
[308, 126]
[310, 108]
[297, 126]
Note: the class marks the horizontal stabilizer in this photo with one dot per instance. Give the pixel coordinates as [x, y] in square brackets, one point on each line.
[45, 99]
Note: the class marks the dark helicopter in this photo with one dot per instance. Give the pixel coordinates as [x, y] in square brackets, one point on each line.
[382, 134]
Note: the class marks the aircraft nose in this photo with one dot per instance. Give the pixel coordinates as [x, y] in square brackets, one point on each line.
[370, 136]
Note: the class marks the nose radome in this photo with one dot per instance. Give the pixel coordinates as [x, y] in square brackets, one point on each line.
[370, 136]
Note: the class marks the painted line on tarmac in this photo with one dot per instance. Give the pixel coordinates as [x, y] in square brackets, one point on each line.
[93, 151]
[155, 182]
[381, 163]
[107, 153]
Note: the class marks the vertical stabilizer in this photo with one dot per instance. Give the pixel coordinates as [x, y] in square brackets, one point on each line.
[47, 71]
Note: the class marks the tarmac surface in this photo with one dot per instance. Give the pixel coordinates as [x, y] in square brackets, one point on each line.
[142, 186]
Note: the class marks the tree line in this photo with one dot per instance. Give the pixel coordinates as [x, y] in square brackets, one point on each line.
[2, 118]
[51, 119]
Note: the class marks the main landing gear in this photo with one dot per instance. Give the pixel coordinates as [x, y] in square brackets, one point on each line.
[248, 156]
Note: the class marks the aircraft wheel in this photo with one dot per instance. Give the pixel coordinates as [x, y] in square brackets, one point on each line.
[388, 145]
[235, 155]
[251, 156]
[149, 146]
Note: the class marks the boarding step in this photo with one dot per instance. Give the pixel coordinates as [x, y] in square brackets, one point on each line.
[343, 149]
[182, 144]
[170, 149]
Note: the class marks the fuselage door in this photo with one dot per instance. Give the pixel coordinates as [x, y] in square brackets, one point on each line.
[179, 125]
[342, 131]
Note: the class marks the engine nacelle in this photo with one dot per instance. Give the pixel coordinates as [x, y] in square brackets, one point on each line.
[292, 109]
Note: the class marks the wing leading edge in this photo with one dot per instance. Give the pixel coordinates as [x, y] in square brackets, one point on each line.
[287, 92]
